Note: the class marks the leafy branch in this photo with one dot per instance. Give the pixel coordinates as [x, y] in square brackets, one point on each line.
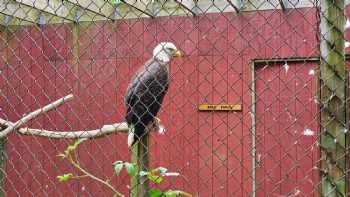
[70, 155]
[155, 175]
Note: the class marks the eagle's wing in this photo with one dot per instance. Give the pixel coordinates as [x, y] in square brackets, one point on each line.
[139, 93]
[135, 83]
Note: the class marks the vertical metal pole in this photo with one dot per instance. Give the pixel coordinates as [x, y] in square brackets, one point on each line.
[332, 99]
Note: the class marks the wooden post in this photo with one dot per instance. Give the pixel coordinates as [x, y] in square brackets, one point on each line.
[75, 45]
[140, 156]
[2, 165]
[3, 141]
[333, 100]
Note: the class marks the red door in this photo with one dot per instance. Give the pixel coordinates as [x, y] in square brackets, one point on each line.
[286, 129]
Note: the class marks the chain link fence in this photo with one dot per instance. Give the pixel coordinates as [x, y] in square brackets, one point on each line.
[256, 105]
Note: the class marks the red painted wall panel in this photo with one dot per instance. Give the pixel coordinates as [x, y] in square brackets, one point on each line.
[287, 128]
[205, 123]
[220, 127]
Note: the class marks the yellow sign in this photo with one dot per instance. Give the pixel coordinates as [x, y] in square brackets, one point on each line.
[224, 107]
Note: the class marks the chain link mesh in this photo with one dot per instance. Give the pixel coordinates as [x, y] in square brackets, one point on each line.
[268, 58]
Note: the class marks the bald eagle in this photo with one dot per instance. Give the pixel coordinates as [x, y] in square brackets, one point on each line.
[146, 90]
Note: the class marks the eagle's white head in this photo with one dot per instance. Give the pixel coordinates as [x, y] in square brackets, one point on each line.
[164, 51]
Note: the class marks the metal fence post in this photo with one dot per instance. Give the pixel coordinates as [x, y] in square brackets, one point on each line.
[333, 99]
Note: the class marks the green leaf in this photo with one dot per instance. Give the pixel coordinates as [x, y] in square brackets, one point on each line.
[154, 171]
[115, 2]
[169, 194]
[155, 179]
[155, 192]
[64, 177]
[118, 166]
[130, 168]
[174, 193]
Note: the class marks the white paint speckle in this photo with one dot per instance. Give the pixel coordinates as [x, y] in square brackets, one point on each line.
[335, 140]
[347, 24]
[286, 67]
[308, 132]
[347, 44]
[345, 130]
[258, 159]
[83, 188]
[311, 72]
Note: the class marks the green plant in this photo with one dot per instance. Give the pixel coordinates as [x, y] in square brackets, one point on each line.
[155, 175]
[70, 155]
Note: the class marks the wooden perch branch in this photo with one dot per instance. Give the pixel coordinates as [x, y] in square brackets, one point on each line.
[96, 133]
[34, 114]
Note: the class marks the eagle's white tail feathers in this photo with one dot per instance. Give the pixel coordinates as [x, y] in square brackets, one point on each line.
[131, 136]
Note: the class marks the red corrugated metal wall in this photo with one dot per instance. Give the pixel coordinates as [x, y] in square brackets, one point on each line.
[212, 150]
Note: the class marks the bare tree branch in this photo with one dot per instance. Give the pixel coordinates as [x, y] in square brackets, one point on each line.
[34, 114]
[96, 133]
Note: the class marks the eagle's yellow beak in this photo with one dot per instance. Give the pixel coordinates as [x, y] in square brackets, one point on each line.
[177, 53]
